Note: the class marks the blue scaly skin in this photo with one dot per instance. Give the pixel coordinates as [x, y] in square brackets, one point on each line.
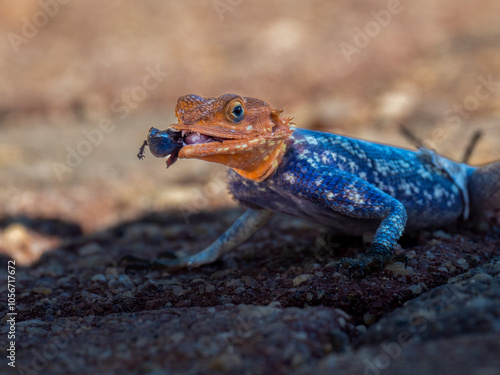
[357, 187]
[348, 185]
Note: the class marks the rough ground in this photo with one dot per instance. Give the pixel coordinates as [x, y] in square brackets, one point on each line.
[276, 304]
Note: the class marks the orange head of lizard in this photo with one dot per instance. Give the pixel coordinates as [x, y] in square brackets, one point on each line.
[245, 134]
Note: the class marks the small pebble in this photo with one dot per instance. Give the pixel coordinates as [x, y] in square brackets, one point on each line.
[368, 319]
[178, 290]
[417, 289]
[462, 263]
[98, 277]
[90, 249]
[42, 290]
[301, 278]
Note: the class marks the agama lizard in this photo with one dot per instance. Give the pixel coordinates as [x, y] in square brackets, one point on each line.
[348, 185]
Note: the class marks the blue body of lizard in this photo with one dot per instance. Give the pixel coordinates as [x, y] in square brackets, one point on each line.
[353, 187]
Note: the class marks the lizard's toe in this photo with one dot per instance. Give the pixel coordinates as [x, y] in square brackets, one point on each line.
[376, 254]
[352, 264]
[403, 258]
[367, 259]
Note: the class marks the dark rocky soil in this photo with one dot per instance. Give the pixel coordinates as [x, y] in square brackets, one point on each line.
[275, 303]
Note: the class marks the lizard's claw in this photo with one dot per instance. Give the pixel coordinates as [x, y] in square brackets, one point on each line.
[403, 258]
[375, 253]
[358, 263]
[370, 257]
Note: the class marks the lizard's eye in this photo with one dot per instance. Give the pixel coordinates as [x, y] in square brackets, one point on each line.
[236, 112]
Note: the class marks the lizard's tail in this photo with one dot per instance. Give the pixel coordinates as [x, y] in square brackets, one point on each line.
[484, 190]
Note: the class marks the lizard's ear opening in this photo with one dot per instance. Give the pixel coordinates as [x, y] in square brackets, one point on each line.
[279, 122]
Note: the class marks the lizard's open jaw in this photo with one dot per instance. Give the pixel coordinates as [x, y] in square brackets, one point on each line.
[196, 138]
[199, 143]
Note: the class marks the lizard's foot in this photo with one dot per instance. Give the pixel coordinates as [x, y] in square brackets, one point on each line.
[170, 265]
[376, 254]
[359, 263]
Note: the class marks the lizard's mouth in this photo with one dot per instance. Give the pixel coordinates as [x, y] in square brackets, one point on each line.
[197, 138]
[199, 144]
[205, 134]
[225, 149]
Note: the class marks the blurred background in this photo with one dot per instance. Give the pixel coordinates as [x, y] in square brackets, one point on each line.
[82, 82]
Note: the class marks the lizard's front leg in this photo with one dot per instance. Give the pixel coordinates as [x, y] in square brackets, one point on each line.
[353, 197]
[381, 249]
[242, 229]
